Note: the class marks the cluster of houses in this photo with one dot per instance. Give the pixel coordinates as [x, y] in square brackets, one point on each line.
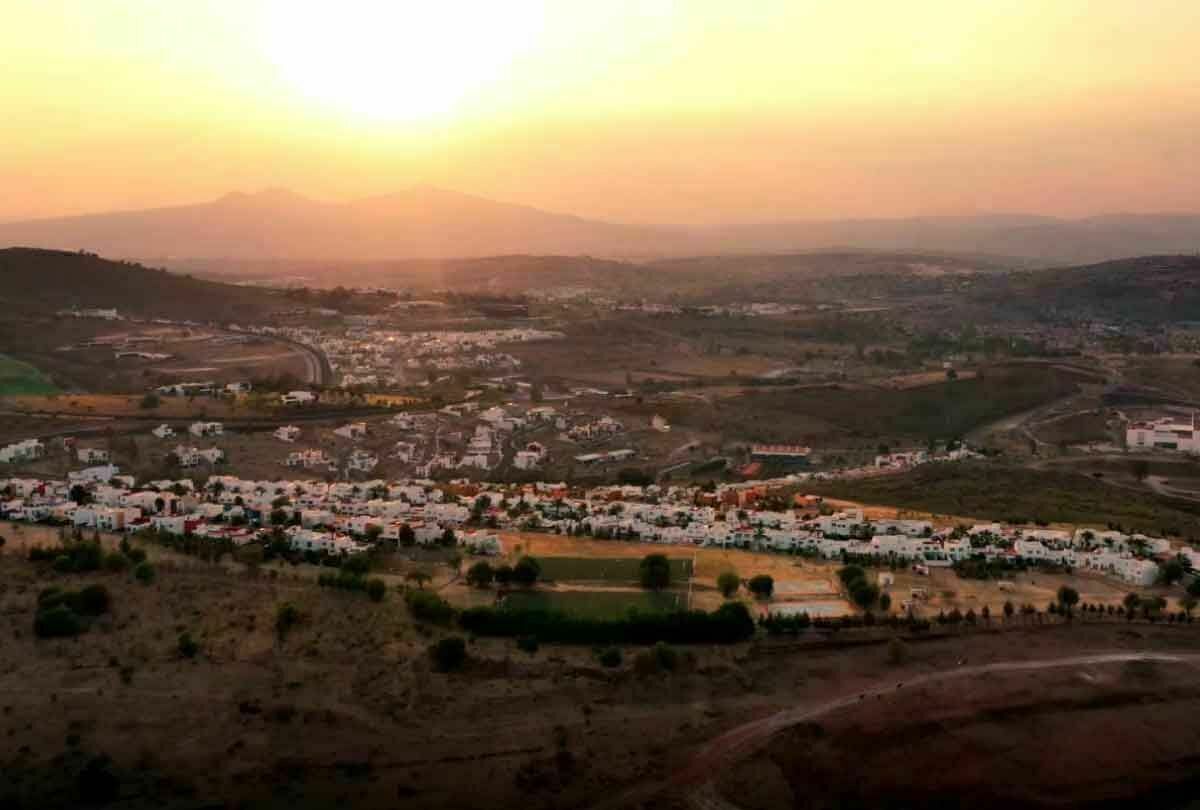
[340, 517]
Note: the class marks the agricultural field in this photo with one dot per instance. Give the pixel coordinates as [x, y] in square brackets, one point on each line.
[597, 604]
[18, 377]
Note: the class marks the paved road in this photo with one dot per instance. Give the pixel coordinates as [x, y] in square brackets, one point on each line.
[697, 776]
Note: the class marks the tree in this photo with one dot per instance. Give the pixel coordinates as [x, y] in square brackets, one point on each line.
[80, 495]
[1068, 597]
[865, 594]
[526, 572]
[654, 572]
[1009, 610]
[1193, 587]
[406, 536]
[504, 574]
[728, 583]
[1172, 571]
[372, 533]
[480, 575]
[278, 517]
[1131, 602]
[762, 586]
[1140, 469]
[150, 402]
[419, 577]
[448, 540]
[885, 602]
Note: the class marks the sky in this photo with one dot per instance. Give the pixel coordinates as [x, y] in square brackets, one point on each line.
[646, 112]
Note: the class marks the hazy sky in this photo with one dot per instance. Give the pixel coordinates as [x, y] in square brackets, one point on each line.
[650, 111]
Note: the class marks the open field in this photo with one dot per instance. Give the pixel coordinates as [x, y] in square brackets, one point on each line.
[17, 377]
[597, 604]
[992, 491]
[618, 570]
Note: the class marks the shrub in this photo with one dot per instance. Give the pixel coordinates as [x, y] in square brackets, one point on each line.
[136, 555]
[287, 616]
[527, 644]
[376, 589]
[57, 622]
[428, 607]
[187, 645]
[144, 573]
[448, 654]
[149, 402]
[897, 652]
[62, 564]
[610, 657]
[115, 562]
[94, 600]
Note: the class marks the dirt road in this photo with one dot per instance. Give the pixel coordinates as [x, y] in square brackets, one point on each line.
[696, 778]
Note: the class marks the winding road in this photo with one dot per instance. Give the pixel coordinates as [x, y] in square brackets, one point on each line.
[697, 777]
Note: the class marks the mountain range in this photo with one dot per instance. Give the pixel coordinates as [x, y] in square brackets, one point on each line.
[427, 222]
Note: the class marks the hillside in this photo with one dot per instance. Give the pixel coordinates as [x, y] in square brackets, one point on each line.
[430, 223]
[1148, 289]
[34, 281]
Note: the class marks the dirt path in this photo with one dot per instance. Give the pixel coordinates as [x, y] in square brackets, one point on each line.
[697, 776]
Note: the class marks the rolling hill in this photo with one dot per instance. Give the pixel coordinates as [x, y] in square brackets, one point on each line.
[431, 223]
[35, 282]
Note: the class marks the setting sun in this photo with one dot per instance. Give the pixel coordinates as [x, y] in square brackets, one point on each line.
[396, 60]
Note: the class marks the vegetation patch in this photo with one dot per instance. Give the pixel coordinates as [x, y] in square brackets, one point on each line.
[19, 378]
[623, 570]
[1018, 495]
[595, 604]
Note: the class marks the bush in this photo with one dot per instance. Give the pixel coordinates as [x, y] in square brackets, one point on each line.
[62, 564]
[610, 657]
[660, 658]
[150, 402]
[144, 573]
[376, 589]
[428, 607]
[57, 622]
[115, 562]
[287, 616]
[897, 652]
[136, 555]
[187, 646]
[94, 600]
[448, 654]
[527, 644]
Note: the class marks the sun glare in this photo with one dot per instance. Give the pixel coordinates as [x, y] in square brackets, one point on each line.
[397, 60]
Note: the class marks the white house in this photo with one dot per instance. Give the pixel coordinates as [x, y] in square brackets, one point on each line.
[201, 429]
[163, 432]
[286, 433]
[93, 455]
[1165, 433]
[22, 451]
[298, 398]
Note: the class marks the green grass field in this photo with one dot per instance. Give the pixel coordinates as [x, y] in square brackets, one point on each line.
[17, 377]
[619, 570]
[596, 604]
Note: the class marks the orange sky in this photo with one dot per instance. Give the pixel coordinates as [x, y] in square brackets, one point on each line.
[651, 111]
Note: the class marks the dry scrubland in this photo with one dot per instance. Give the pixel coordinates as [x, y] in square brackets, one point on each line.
[345, 708]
